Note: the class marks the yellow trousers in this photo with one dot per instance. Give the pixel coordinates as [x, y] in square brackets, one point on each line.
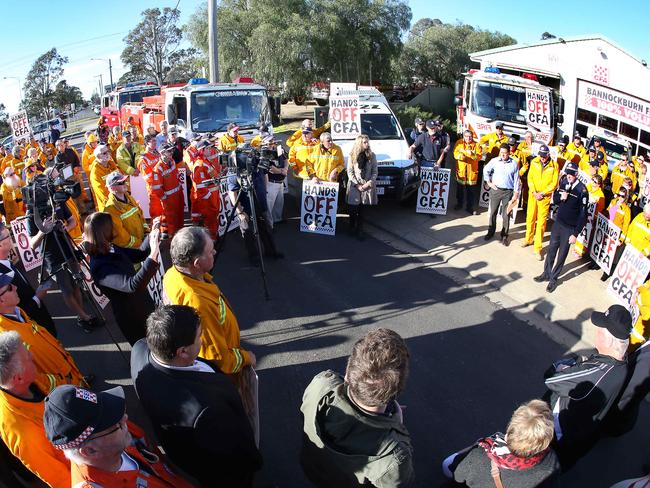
[467, 172]
[536, 216]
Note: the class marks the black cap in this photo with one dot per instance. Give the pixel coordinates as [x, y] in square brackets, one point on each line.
[600, 157]
[564, 140]
[576, 135]
[596, 138]
[418, 121]
[594, 163]
[617, 320]
[148, 138]
[166, 147]
[430, 124]
[543, 150]
[72, 414]
[591, 148]
[5, 279]
[204, 143]
[571, 169]
[499, 125]
[126, 133]
[512, 141]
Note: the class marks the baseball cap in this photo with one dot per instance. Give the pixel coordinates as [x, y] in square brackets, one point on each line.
[114, 178]
[543, 150]
[196, 137]
[591, 148]
[126, 133]
[148, 138]
[430, 124]
[571, 169]
[72, 414]
[5, 279]
[232, 126]
[499, 125]
[616, 319]
[596, 139]
[92, 138]
[512, 141]
[307, 130]
[418, 121]
[594, 163]
[576, 135]
[600, 157]
[166, 147]
[172, 129]
[563, 140]
[268, 140]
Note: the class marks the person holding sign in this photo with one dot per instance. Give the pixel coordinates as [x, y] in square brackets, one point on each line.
[638, 235]
[542, 181]
[571, 199]
[112, 269]
[362, 180]
[168, 189]
[301, 151]
[502, 176]
[577, 146]
[597, 199]
[205, 195]
[101, 167]
[307, 124]
[325, 162]
[129, 226]
[434, 145]
[467, 154]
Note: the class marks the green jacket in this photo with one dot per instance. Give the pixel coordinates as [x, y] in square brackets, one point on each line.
[345, 446]
[125, 162]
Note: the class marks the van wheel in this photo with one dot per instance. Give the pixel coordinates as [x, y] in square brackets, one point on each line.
[299, 99]
[284, 101]
[321, 102]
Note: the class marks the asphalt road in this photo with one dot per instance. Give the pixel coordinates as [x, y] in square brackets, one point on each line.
[472, 362]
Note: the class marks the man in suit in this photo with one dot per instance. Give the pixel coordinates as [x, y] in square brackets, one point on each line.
[30, 301]
[202, 426]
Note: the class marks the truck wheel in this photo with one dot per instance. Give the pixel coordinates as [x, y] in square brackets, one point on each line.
[299, 99]
[284, 101]
[321, 102]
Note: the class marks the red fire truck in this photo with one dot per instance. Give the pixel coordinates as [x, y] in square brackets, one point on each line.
[130, 93]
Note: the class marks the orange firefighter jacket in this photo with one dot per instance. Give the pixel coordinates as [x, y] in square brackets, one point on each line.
[220, 339]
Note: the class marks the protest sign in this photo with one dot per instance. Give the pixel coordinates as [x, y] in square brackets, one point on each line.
[338, 89]
[583, 177]
[182, 177]
[433, 193]
[585, 235]
[226, 208]
[604, 243]
[538, 106]
[155, 287]
[318, 207]
[644, 193]
[20, 126]
[31, 258]
[345, 117]
[630, 273]
[140, 194]
[100, 298]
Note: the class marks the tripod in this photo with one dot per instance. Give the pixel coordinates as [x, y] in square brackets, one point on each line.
[246, 186]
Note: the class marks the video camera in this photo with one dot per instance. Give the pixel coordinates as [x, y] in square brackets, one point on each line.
[44, 192]
[249, 160]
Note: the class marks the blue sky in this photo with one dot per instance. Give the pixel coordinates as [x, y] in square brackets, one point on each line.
[83, 29]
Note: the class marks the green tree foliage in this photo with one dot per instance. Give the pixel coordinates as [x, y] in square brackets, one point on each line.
[5, 129]
[39, 85]
[152, 46]
[439, 52]
[65, 94]
[294, 42]
[95, 99]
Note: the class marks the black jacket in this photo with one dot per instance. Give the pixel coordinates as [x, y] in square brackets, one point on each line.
[116, 277]
[572, 212]
[38, 313]
[199, 419]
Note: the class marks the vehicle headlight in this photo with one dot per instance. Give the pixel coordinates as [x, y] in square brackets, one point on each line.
[410, 172]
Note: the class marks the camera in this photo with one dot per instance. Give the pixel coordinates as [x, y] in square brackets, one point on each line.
[250, 160]
[44, 192]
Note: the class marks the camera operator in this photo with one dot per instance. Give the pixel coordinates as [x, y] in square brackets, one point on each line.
[258, 180]
[57, 253]
[277, 174]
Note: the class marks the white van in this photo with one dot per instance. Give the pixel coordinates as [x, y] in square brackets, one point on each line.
[398, 175]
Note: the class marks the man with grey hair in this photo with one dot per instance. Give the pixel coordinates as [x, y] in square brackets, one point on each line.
[582, 390]
[163, 135]
[189, 282]
[326, 160]
[21, 411]
[91, 429]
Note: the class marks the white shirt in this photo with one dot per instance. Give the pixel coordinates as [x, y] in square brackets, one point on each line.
[128, 463]
[199, 366]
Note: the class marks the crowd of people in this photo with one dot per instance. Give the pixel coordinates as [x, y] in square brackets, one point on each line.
[188, 367]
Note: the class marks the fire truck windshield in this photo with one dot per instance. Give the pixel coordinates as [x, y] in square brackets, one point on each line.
[137, 95]
[212, 111]
[499, 101]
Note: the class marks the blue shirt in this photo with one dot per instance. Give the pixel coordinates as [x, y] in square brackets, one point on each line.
[504, 174]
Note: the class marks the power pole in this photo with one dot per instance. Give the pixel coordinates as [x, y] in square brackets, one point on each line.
[213, 47]
[110, 72]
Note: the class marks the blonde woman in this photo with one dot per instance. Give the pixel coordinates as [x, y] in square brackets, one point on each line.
[362, 182]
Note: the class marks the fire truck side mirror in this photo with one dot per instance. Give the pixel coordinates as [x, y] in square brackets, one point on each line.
[458, 101]
[458, 88]
[171, 115]
[560, 109]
